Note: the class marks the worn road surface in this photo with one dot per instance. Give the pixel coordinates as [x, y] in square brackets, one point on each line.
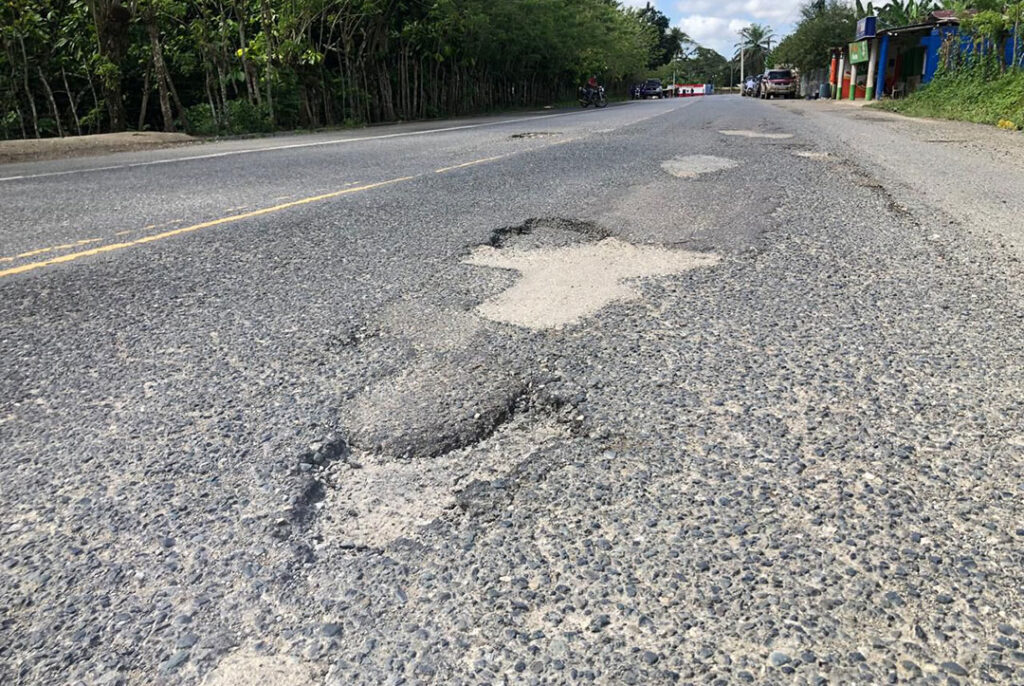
[711, 391]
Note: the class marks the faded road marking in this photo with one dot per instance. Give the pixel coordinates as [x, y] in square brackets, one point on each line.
[469, 164]
[40, 251]
[293, 146]
[20, 269]
[335, 141]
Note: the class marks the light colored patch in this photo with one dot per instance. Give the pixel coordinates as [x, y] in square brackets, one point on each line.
[378, 503]
[384, 500]
[811, 154]
[244, 669]
[563, 285]
[755, 134]
[692, 166]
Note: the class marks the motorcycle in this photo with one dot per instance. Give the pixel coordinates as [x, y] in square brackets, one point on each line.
[593, 96]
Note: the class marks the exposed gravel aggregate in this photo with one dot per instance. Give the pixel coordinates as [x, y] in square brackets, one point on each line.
[293, 450]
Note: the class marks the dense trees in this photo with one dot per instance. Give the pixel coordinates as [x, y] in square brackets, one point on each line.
[822, 26]
[81, 66]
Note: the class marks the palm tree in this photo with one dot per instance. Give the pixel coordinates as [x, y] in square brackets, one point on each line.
[680, 39]
[684, 45]
[755, 44]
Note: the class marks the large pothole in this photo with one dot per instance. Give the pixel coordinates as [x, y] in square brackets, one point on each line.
[547, 232]
[384, 500]
[563, 285]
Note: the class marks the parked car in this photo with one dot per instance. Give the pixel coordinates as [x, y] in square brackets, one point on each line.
[651, 88]
[778, 83]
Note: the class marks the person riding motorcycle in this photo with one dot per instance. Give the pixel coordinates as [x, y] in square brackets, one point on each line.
[592, 93]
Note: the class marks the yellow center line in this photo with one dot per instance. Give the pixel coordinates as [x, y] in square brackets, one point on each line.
[20, 269]
[442, 170]
[40, 251]
[224, 220]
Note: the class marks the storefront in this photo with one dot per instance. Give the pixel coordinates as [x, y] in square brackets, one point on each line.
[894, 62]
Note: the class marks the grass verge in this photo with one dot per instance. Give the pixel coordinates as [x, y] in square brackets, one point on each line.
[974, 95]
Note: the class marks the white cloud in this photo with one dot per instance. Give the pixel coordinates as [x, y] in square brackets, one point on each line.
[717, 33]
[780, 11]
[715, 23]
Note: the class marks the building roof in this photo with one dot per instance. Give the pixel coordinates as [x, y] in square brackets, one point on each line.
[936, 18]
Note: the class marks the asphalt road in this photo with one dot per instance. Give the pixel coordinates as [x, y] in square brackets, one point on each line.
[299, 410]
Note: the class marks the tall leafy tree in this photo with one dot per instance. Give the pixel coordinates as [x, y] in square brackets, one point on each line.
[822, 25]
[216, 66]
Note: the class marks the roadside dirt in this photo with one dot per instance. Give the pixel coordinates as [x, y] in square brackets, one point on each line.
[31, 150]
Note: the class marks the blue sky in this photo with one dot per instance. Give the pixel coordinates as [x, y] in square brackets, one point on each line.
[714, 23]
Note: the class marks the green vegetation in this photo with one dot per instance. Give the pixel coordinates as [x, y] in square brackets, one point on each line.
[233, 66]
[822, 26]
[756, 47]
[975, 95]
[974, 83]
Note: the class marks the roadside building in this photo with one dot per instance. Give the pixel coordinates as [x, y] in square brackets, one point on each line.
[894, 62]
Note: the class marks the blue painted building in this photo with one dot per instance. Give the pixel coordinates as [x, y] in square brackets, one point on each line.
[906, 57]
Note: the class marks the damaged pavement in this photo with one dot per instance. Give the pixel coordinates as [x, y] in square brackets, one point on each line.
[781, 444]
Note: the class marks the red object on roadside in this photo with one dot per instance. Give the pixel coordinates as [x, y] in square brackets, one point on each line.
[688, 90]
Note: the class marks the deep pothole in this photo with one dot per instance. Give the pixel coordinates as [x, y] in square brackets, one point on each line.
[548, 231]
[534, 134]
[367, 505]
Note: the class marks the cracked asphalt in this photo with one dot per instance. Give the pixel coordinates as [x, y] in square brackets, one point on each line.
[255, 426]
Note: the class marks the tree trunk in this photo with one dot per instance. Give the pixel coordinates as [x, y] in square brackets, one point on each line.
[53, 102]
[28, 89]
[223, 93]
[182, 114]
[250, 80]
[72, 101]
[21, 121]
[209, 91]
[112, 21]
[160, 69]
[145, 100]
[268, 37]
[1016, 37]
